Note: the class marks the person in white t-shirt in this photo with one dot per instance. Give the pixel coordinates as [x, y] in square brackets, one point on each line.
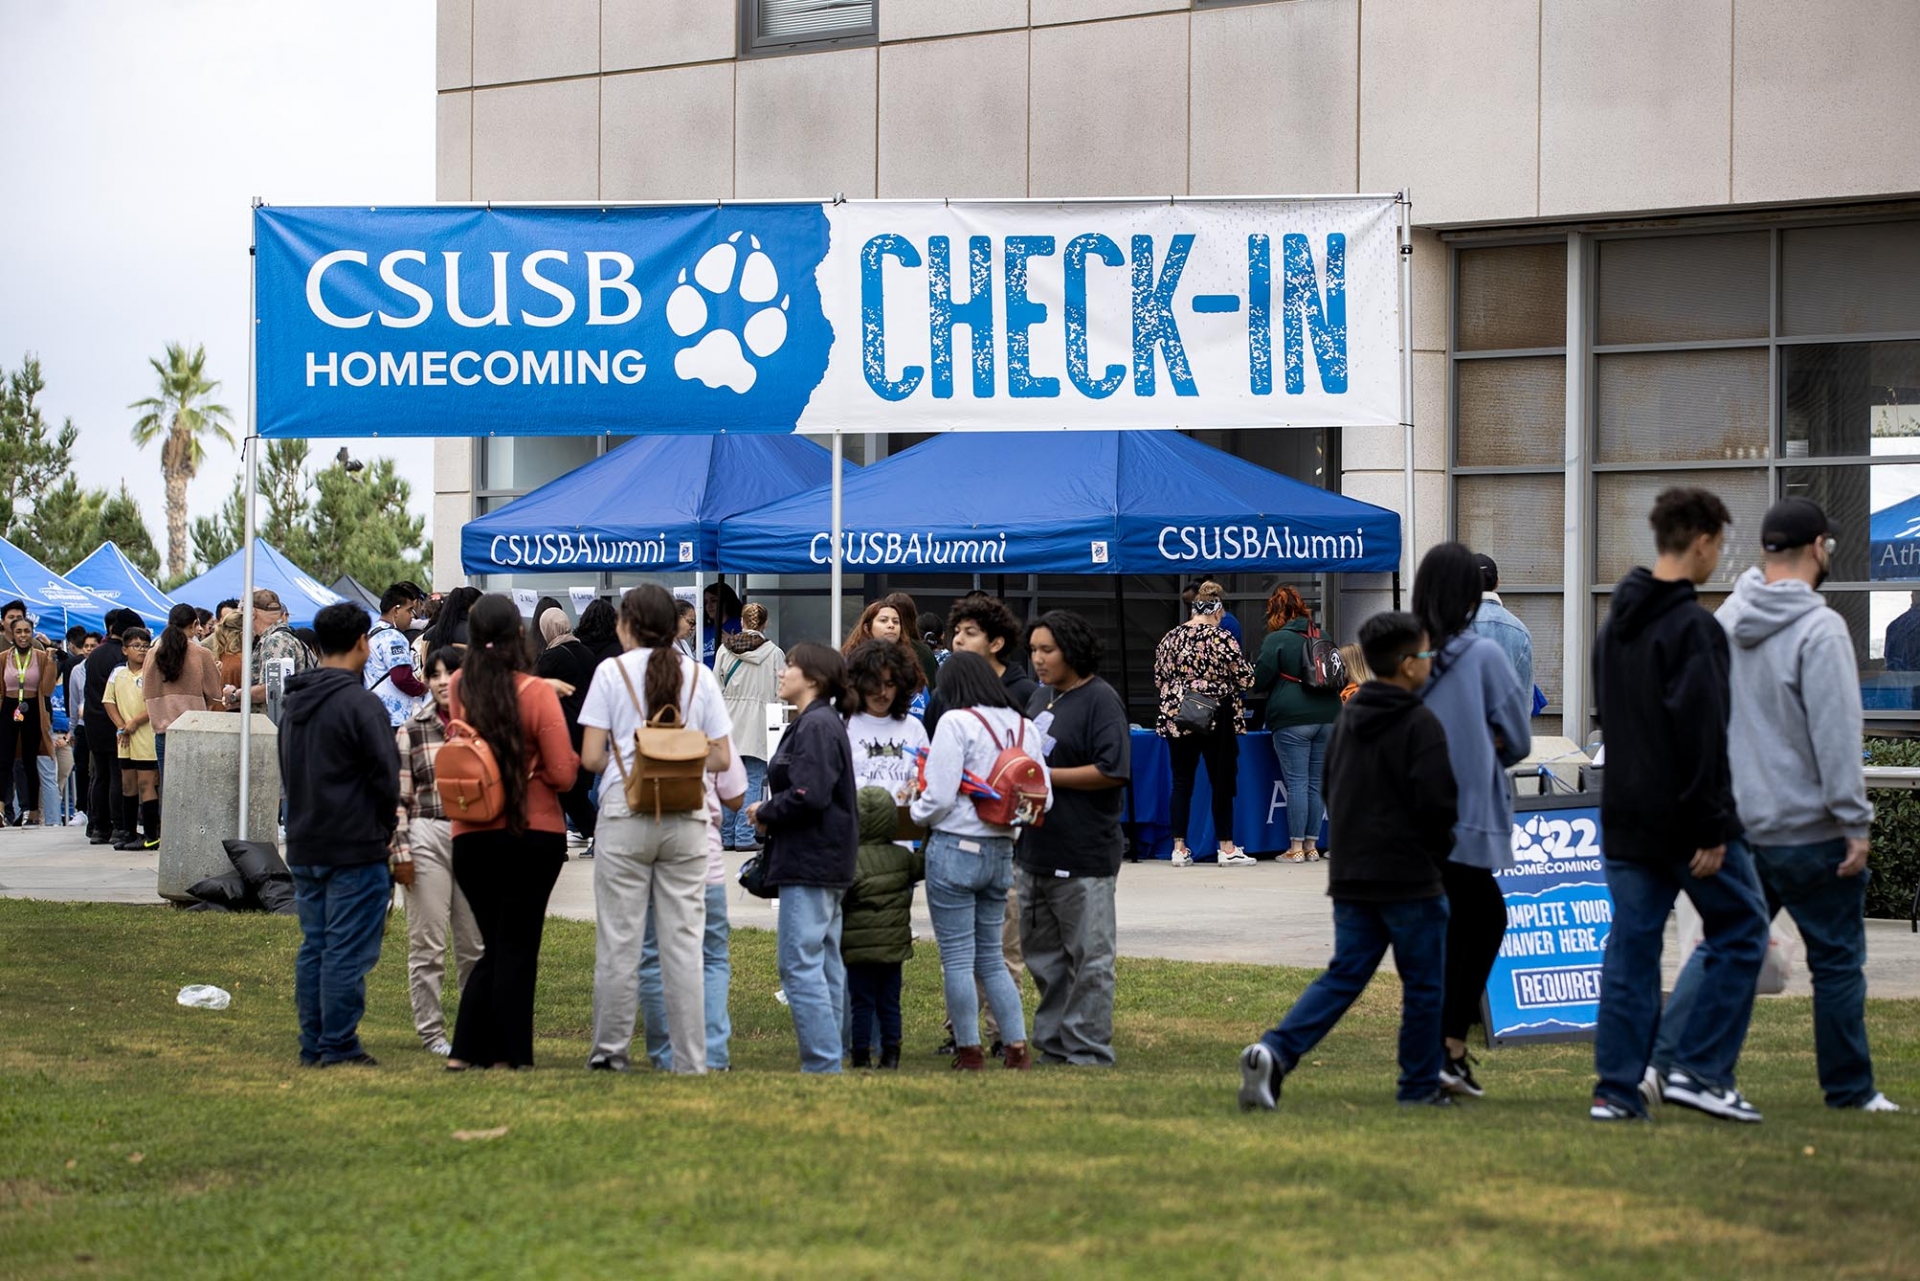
[646, 863]
[884, 737]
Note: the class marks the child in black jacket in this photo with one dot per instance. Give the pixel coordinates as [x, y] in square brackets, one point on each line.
[1391, 805]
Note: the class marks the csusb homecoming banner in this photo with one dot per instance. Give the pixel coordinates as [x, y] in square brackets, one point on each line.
[862, 316]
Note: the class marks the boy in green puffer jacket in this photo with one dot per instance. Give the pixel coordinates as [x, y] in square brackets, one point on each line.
[876, 937]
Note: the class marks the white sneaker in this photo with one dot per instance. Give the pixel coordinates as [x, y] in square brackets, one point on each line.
[1879, 1103]
[1727, 1104]
[1652, 1091]
[1237, 857]
[1259, 1079]
[441, 1047]
[1182, 858]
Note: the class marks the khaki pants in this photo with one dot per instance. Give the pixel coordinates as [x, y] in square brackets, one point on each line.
[435, 904]
[640, 863]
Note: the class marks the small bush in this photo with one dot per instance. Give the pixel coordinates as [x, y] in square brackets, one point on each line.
[1896, 834]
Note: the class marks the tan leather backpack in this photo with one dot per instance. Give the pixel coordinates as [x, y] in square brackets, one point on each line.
[669, 761]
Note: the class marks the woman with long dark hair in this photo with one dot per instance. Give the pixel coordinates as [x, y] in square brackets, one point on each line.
[811, 816]
[1477, 696]
[721, 606]
[650, 863]
[185, 677]
[599, 629]
[969, 860]
[1201, 658]
[25, 725]
[1300, 716]
[507, 867]
[450, 624]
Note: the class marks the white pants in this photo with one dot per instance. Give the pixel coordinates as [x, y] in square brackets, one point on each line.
[434, 903]
[641, 862]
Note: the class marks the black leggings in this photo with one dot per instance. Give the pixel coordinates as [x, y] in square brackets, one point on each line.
[1220, 748]
[506, 880]
[21, 740]
[1476, 922]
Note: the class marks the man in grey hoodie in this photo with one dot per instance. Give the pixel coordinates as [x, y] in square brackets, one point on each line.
[1799, 785]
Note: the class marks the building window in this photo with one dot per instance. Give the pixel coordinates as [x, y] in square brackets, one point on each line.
[786, 26]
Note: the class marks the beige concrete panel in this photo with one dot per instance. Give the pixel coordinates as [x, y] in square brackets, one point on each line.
[1366, 449]
[1048, 12]
[667, 135]
[953, 117]
[1633, 104]
[661, 33]
[453, 44]
[1382, 448]
[1108, 109]
[804, 125]
[453, 146]
[1432, 291]
[452, 464]
[534, 39]
[1449, 106]
[1388, 489]
[1275, 105]
[1824, 99]
[451, 511]
[537, 142]
[919, 19]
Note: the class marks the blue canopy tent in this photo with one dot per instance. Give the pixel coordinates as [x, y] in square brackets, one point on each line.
[298, 590]
[1107, 502]
[108, 574]
[653, 503]
[1894, 536]
[53, 602]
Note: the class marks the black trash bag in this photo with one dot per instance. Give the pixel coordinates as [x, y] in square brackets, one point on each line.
[229, 889]
[205, 905]
[266, 874]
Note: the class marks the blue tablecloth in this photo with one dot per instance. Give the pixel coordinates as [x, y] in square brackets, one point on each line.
[1259, 801]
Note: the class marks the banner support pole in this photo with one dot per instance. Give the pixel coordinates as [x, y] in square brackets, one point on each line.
[250, 449]
[837, 573]
[1406, 379]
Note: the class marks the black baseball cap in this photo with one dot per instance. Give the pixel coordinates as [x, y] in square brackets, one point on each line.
[1489, 572]
[1793, 522]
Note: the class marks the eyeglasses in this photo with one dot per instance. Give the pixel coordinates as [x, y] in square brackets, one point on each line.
[1425, 653]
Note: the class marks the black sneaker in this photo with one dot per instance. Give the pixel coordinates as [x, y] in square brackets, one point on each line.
[1457, 1076]
[950, 1048]
[587, 852]
[362, 1059]
[1608, 1110]
[998, 1050]
[1728, 1104]
[1260, 1078]
[1438, 1099]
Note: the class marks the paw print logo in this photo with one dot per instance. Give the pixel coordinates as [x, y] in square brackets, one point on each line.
[717, 359]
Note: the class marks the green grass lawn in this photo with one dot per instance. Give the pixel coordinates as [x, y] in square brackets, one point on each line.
[140, 1138]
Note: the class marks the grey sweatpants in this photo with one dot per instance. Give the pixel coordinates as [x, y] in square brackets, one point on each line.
[663, 863]
[1067, 932]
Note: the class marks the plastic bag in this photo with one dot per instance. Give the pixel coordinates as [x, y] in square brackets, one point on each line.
[204, 996]
[1776, 969]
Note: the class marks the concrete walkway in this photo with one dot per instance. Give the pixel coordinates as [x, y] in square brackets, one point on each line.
[1269, 914]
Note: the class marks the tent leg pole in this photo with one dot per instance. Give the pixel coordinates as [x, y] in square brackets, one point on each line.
[1120, 627]
[837, 572]
[1407, 534]
[1396, 591]
[250, 447]
[699, 620]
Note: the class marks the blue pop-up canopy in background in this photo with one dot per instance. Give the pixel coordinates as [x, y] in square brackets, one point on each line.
[1088, 502]
[653, 504]
[108, 574]
[53, 602]
[298, 591]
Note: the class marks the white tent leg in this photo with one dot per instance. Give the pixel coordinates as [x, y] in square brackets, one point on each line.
[838, 635]
[251, 448]
[1407, 537]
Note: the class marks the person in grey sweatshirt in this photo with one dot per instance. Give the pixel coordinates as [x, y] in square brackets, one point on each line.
[1800, 787]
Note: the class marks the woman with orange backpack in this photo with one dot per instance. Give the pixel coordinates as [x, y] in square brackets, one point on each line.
[508, 756]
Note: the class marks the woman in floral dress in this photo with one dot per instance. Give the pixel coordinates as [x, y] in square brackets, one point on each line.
[1200, 657]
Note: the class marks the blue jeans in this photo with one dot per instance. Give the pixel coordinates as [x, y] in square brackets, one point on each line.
[1302, 750]
[1713, 1026]
[1362, 932]
[717, 968]
[735, 830]
[1830, 911]
[967, 882]
[812, 972]
[343, 912]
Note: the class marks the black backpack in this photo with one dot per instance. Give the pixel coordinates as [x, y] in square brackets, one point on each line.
[1321, 666]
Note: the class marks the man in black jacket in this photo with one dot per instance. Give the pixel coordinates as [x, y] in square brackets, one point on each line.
[1391, 795]
[1660, 676]
[340, 770]
[106, 821]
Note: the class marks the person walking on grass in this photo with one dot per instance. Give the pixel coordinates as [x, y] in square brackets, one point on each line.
[810, 815]
[1801, 789]
[652, 864]
[506, 867]
[877, 940]
[1069, 868]
[423, 861]
[340, 771]
[1391, 795]
[1197, 663]
[1661, 676]
[1481, 705]
[1300, 716]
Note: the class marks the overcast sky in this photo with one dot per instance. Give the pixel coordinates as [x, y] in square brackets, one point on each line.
[135, 133]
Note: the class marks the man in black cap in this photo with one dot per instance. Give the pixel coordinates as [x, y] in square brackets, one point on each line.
[1801, 787]
[1502, 626]
[1660, 674]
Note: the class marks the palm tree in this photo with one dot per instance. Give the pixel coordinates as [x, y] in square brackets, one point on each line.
[179, 417]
